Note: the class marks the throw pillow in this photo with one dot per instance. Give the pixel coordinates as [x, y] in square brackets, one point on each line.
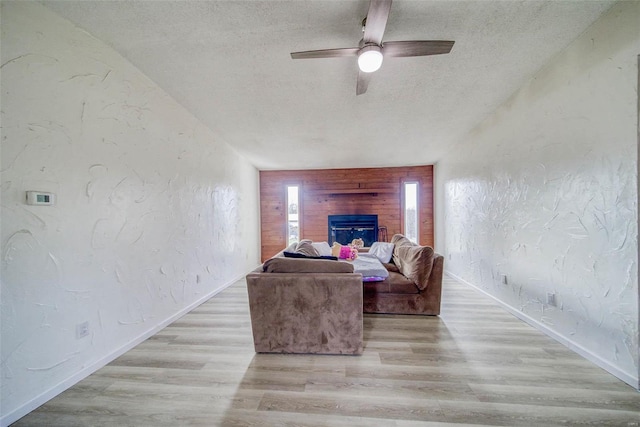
[382, 250]
[323, 248]
[305, 247]
[291, 247]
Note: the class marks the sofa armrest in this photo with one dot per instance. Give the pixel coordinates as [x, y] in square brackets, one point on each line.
[435, 278]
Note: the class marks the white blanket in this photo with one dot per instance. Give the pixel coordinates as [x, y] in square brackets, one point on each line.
[370, 267]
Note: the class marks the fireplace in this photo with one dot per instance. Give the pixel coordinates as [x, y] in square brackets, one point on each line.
[344, 228]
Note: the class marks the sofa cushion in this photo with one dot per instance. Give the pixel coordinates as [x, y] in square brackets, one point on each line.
[376, 287]
[413, 261]
[396, 283]
[305, 247]
[382, 250]
[323, 248]
[301, 265]
[399, 284]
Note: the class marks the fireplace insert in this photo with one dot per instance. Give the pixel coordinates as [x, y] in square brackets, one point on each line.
[344, 228]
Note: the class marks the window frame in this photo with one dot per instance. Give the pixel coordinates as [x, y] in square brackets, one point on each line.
[403, 206]
[286, 213]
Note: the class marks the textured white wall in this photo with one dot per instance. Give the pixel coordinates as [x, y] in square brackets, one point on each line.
[545, 192]
[152, 215]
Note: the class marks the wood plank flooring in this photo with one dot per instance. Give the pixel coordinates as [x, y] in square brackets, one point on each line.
[476, 364]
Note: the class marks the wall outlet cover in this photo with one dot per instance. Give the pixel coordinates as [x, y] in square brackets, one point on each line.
[82, 329]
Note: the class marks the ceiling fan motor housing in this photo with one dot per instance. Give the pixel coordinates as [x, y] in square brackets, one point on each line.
[370, 58]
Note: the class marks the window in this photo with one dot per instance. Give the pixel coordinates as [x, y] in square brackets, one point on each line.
[411, 211]
[293, 222]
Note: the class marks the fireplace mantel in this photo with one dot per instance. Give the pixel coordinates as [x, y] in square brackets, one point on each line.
[350, 191]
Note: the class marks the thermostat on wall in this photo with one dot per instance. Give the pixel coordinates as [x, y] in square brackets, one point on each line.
[40, 198]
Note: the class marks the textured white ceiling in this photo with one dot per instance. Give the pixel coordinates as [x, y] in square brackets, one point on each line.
[228, 63]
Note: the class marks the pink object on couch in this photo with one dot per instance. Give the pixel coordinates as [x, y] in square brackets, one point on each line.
[345, 252]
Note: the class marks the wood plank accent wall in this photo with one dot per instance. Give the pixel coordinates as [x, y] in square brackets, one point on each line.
[341, 191]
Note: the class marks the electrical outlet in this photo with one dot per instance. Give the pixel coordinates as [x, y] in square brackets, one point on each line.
[551, 299]
[82, 330]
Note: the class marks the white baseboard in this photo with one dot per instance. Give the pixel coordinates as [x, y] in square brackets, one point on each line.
[49, 394]
[628, 378]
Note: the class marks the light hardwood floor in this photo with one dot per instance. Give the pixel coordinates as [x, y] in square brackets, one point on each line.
[476, 364]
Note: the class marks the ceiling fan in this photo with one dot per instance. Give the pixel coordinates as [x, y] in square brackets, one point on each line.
[371, 49]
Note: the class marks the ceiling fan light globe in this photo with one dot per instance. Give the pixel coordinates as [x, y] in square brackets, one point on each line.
[369, 59]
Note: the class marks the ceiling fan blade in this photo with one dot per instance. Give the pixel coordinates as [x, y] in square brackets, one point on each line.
[326, 53]
[363, 82]
[416, 48]
[376, 21]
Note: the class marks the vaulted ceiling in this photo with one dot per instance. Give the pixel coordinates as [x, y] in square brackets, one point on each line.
[229, 64]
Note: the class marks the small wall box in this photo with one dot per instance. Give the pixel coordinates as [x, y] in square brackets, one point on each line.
[40, 198]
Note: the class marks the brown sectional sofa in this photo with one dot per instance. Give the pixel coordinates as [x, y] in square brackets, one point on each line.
[316, 305]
